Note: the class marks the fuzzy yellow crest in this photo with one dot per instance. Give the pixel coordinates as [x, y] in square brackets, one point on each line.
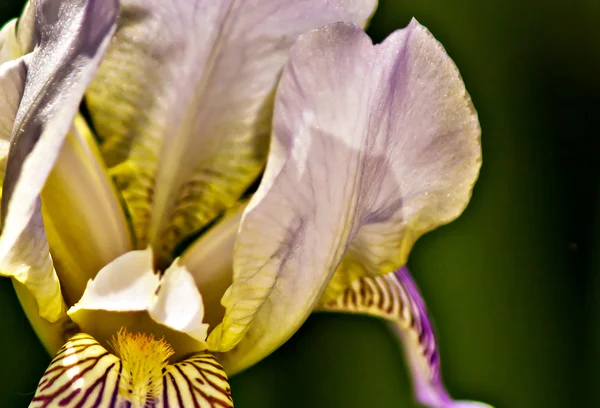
[144, 358]
[85, 374]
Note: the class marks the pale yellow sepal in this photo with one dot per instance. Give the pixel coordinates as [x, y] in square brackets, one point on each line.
[85, 224]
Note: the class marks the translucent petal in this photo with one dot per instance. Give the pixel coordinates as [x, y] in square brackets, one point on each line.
[373, 145]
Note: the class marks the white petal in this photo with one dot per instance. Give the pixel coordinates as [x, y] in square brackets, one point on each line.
[178, 304]
[126, 284]
[26, 259]
[130, 284]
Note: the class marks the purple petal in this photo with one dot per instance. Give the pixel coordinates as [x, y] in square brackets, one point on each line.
[373, 145]
[395, 297]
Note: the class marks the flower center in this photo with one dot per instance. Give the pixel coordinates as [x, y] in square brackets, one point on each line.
[144, 360]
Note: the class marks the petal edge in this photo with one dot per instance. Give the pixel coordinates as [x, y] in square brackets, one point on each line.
[373, 146]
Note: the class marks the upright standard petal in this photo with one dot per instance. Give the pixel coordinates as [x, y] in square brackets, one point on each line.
[372, 147]
[189, 84]
[395, 297]
[73, 36]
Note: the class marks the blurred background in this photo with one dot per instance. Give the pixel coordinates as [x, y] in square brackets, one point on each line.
[512, 285]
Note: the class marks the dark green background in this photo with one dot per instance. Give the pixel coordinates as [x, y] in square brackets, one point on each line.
[511, 284]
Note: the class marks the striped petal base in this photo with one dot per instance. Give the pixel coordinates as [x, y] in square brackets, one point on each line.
[84, 374]
[395, 297]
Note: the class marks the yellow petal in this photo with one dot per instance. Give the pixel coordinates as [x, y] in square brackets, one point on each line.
[85, 224]
[51, 334]
[24, 252]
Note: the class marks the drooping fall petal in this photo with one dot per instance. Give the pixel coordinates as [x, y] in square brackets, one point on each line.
[202, 106]
[85, 374]
[72, 38]
[395, 297]
[372, 147]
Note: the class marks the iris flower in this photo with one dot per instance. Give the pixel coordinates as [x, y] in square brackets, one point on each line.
[145, 257]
